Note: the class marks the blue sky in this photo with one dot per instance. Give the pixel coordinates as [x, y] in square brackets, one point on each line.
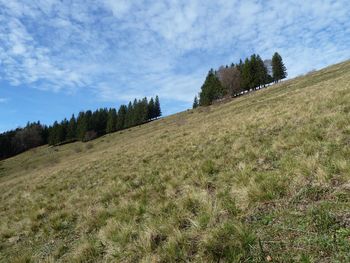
[60, 57]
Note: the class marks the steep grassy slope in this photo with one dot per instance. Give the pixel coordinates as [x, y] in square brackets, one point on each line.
[263, 177]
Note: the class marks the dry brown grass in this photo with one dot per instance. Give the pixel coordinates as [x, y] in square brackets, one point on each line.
[202, 185]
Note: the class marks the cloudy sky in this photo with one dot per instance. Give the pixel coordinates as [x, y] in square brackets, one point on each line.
[58, 57]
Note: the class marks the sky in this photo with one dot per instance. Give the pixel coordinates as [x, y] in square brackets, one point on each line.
[58, 57]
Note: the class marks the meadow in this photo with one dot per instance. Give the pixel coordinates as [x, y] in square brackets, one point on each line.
[262, 178]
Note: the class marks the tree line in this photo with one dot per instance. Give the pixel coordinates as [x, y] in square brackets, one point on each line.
[230, 81]
[86, 126]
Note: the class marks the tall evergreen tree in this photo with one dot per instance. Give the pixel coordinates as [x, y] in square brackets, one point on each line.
[157, 110]
[211, 89]
[121, 117]
[54, 136]
[254, 71]
[129, 116]
[262, 74]
[247, 78]
[195, 102]
[72, 128]
[44, 134]
[240, 66]
[99, 121]
[82, 125]
[151, 109]
[144, 110]
[111, 121]
[63, 130]
[279, 71]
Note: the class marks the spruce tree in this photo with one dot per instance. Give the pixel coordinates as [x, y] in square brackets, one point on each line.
[246, 75]
[89, 120]
[121, 117]
[53, 133]
[99, 121]
[279, 71]
[240, 66]
[82, 125]
[111, 121]
[151, 109]
[63, 129]
[211, 89]
[254, 82]
[195, 102]
[144, 110]
[129, 116]
[72, 129]
[262, 75]
[157, 110]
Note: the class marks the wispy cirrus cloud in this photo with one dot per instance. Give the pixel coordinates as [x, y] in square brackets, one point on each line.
[125, 49]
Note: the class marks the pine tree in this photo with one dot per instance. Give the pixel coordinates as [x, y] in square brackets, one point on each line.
[240, 66]
[253, 71]
[157, 110]
[99, 121]
[89, 120]
[211, 89]
[195, 102]
[121, 117]
[246, 75]
[63, 129]
[72, 129]
[82, 125]
[53, 134]
[111, 121]
[151, 109]
[144, 110]
[129, 116]
[279, 71]
[57, 133]
[262, 75]
[44, 134]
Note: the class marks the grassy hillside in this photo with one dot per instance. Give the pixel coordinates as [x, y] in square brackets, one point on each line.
[265, 177]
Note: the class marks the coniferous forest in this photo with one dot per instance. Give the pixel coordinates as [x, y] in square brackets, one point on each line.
[86, 126]
[237, 79]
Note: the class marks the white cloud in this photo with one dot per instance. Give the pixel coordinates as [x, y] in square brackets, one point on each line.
[119, 8]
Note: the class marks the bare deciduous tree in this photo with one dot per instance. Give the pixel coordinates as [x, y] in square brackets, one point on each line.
[230, 78]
